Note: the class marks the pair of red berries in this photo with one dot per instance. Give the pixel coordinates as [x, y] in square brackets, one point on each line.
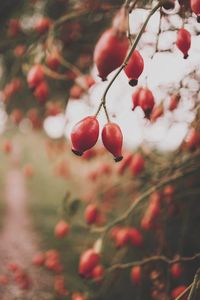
[85, 134]
[110, 52]
[37, 83]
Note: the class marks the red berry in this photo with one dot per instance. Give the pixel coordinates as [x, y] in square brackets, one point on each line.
[110, 52]
[157, 113]
[136, 275]
[77, 296]
[177, 291]
[4, 280]
[61, 229]
[14, 28]
[134, 68]
[76, 92]
[137, 164]
[135, 98]
[53, 60]
[146, 101]
[112, 139]
[176, 270]
[88, 261]
[98, 273]
[84, 135]
[192, 139]
[35, 76]
[41, 91]
[135, 237]
[195, 7]
[121, 237]
[183, 41]
[38, 259]
[91, 213]
[43, 25]
[174, 101]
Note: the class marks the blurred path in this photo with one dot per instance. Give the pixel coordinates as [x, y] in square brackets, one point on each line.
[18, 242]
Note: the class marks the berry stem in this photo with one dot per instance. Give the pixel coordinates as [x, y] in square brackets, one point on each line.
[155, 258]
[134, 45]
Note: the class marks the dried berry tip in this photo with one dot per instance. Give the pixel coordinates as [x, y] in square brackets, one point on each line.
[117, 159]
[133, 82]
[78, 153]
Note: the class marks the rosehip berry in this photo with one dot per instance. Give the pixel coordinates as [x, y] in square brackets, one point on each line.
[135, 98]
[195, 7]
[84, 135]
[91, 213]
[135, 237]
[183, 41]
[38, 259]
[136, 275]
[98, 273]
[134, 68]
[61, 229]
[35, 76]
[43, 25]
[174, 101]
[88, 261]
[177, 291]
[41, 91]
[157, 113]
[137, 164]
[112, 139]
[110, 52]
[192, 139]
[176, 270]
[146, 101]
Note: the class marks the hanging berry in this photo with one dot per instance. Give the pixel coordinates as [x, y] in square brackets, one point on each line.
[134, 68]
[110, 52]
[61, 229]
[183, 41]
[84, 135]
[35, 76]
[91, 214]
[88, 261]
[174, 101]
[41, 91]
[195, 7]
[176, 270]
[157, 112]
[146, 101]
[137, 164]
[113, 139]
[135, 98]
[136, 275]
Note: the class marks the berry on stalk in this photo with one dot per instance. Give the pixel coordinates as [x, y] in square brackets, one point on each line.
[134, 68]
[113, 139]
[84, 135]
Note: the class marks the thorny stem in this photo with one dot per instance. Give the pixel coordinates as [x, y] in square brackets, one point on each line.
[134, 45]
[155, 258]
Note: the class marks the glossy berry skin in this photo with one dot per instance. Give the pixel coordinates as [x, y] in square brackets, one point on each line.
[113, 139]
[84, 135]
[35, 76]
[183, 41]
[110, 52]
[134, 68]
[91, 214]
[136, 275]
[195, 7]
[146, 101]
[88, 261]
[61, 229]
